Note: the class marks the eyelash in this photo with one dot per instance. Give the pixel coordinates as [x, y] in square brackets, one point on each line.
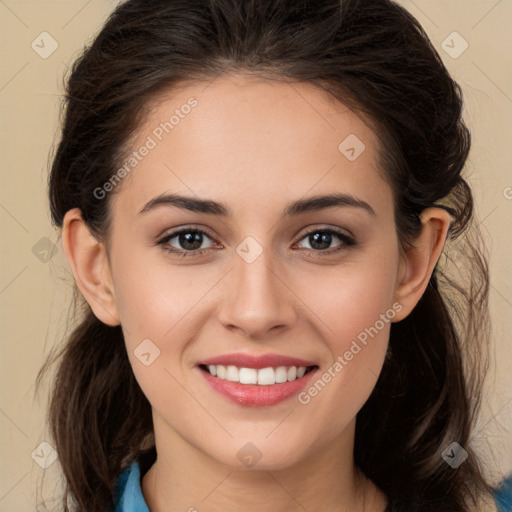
[347, 241]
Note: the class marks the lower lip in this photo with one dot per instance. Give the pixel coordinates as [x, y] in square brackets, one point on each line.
[251, 395]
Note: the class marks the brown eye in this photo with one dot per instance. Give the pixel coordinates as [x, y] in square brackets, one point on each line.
[188, 242]
[321, 239]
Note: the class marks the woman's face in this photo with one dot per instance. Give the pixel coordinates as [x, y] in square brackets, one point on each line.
[273, 274]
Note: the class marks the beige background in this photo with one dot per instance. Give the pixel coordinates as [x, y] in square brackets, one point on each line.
[34, 294]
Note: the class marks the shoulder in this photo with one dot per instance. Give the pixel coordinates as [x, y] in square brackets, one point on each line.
[503, 495]
[502, 498]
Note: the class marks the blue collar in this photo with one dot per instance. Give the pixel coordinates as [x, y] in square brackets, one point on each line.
[129, 497]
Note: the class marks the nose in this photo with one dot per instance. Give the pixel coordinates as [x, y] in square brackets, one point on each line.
[259, 303]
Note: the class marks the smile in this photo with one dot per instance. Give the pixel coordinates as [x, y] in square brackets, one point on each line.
[257, 387]
[261, 377]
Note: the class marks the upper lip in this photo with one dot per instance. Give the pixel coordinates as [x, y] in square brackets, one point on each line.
[252, 361]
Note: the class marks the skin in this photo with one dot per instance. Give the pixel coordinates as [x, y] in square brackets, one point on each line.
[254, 146]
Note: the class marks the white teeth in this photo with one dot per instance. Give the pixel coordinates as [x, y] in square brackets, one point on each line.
[262, 376]
[281, 374]
[248, 376]
[266, 376]
[232, 373]
[221, 371]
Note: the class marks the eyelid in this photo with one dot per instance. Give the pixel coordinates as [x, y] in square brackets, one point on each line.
[187, 229]
[323, 227]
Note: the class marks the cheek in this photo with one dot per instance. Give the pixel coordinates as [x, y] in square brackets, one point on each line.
[352, 299]
[354, 309]
[151, 296]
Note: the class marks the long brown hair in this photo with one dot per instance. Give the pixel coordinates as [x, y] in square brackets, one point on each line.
[372, 55]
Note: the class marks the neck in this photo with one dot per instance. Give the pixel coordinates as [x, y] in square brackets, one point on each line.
[184, 478]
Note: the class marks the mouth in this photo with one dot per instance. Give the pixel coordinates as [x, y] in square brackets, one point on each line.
[257, 376]
[257, 387]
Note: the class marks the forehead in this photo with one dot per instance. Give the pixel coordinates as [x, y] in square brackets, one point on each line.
[247, 137]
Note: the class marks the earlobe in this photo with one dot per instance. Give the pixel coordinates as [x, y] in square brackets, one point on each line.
[90, 266]
[420, 259]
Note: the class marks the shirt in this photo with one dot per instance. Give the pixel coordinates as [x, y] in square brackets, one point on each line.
[129, 497]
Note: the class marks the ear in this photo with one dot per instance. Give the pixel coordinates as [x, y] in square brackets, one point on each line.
[91, 268]
[417, 265]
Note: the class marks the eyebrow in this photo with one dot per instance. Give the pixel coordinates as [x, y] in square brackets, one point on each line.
[210, 207]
